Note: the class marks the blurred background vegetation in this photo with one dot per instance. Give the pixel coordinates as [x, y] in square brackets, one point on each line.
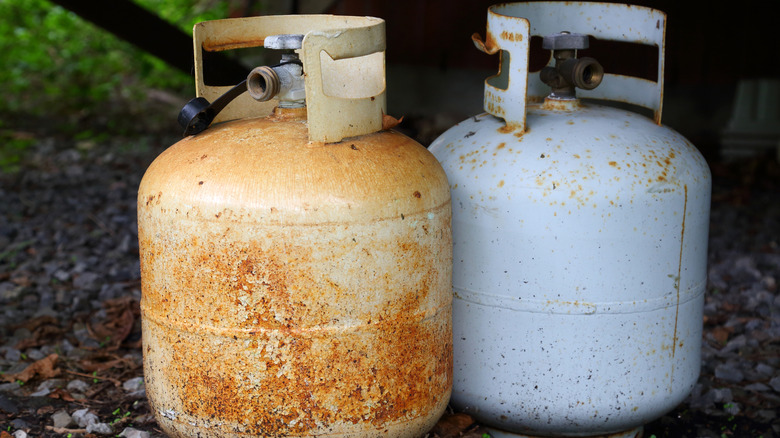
[56, 64]
[61, 74]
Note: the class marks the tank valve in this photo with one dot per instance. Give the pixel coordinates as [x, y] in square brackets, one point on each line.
[570, 72]
[284, 80]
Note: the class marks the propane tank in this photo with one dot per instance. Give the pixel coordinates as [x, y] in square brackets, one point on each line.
[579, 232]
[296, 256]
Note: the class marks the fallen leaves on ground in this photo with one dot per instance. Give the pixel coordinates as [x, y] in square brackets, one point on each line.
[44, 368]
[121, 314]
[461, 425]
[45, 330]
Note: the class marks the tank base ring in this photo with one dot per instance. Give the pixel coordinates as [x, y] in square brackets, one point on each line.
[632, 433]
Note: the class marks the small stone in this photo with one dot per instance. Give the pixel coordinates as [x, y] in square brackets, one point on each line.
[13, 355]
[733, 345]
[757, 387]
[79, 386]
[731, 408]
[729, 373]
[722, 395]
[8, 405]
[134, 384]
[18, 423]
[100, 429]
[41, 392]
[61, 275]
[137, 395]
[9, 387]
[766, 415]
[20, 434]
[84, 418]
[775, 383]
[62, 419]
[51, 384]
[129, 432]
[87, 281]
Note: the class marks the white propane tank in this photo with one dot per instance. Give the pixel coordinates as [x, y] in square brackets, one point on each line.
[580, 235]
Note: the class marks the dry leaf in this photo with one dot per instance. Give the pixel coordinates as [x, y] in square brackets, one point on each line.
[121, 314]
[721, 334]
[452, 425]
[45, 368]
[390, 122]
[62, 394]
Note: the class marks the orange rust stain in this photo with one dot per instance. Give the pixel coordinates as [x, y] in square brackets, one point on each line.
[276, 374]
[501, 183]
[501, 145]
[613, 163]
[495, 109]
[488, 46]
[490, 43]
[210, 45]
[679, 268]
[506, 129]
[417, 194]
[263, 330]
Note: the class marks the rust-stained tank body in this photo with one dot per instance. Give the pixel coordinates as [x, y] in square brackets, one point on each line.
[294, 287]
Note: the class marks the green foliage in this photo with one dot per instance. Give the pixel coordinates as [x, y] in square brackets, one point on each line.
[12, 147]
[56, 63]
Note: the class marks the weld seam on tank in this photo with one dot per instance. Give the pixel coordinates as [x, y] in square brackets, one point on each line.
[266, 222]
[190, 328]
[580, 308]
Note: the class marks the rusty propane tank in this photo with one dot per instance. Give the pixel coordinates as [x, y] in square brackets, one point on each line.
[296, 258]
[579, 231]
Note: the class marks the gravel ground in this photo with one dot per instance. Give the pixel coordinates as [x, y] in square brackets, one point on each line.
[69, 288]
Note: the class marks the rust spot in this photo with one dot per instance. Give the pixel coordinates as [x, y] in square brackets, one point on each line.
[417, 194]
[200, 183]
[214, 44]
[501, 183]
[613, 163]
[488, 46]
[353, 147]
[501, 145]
[506, 129]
